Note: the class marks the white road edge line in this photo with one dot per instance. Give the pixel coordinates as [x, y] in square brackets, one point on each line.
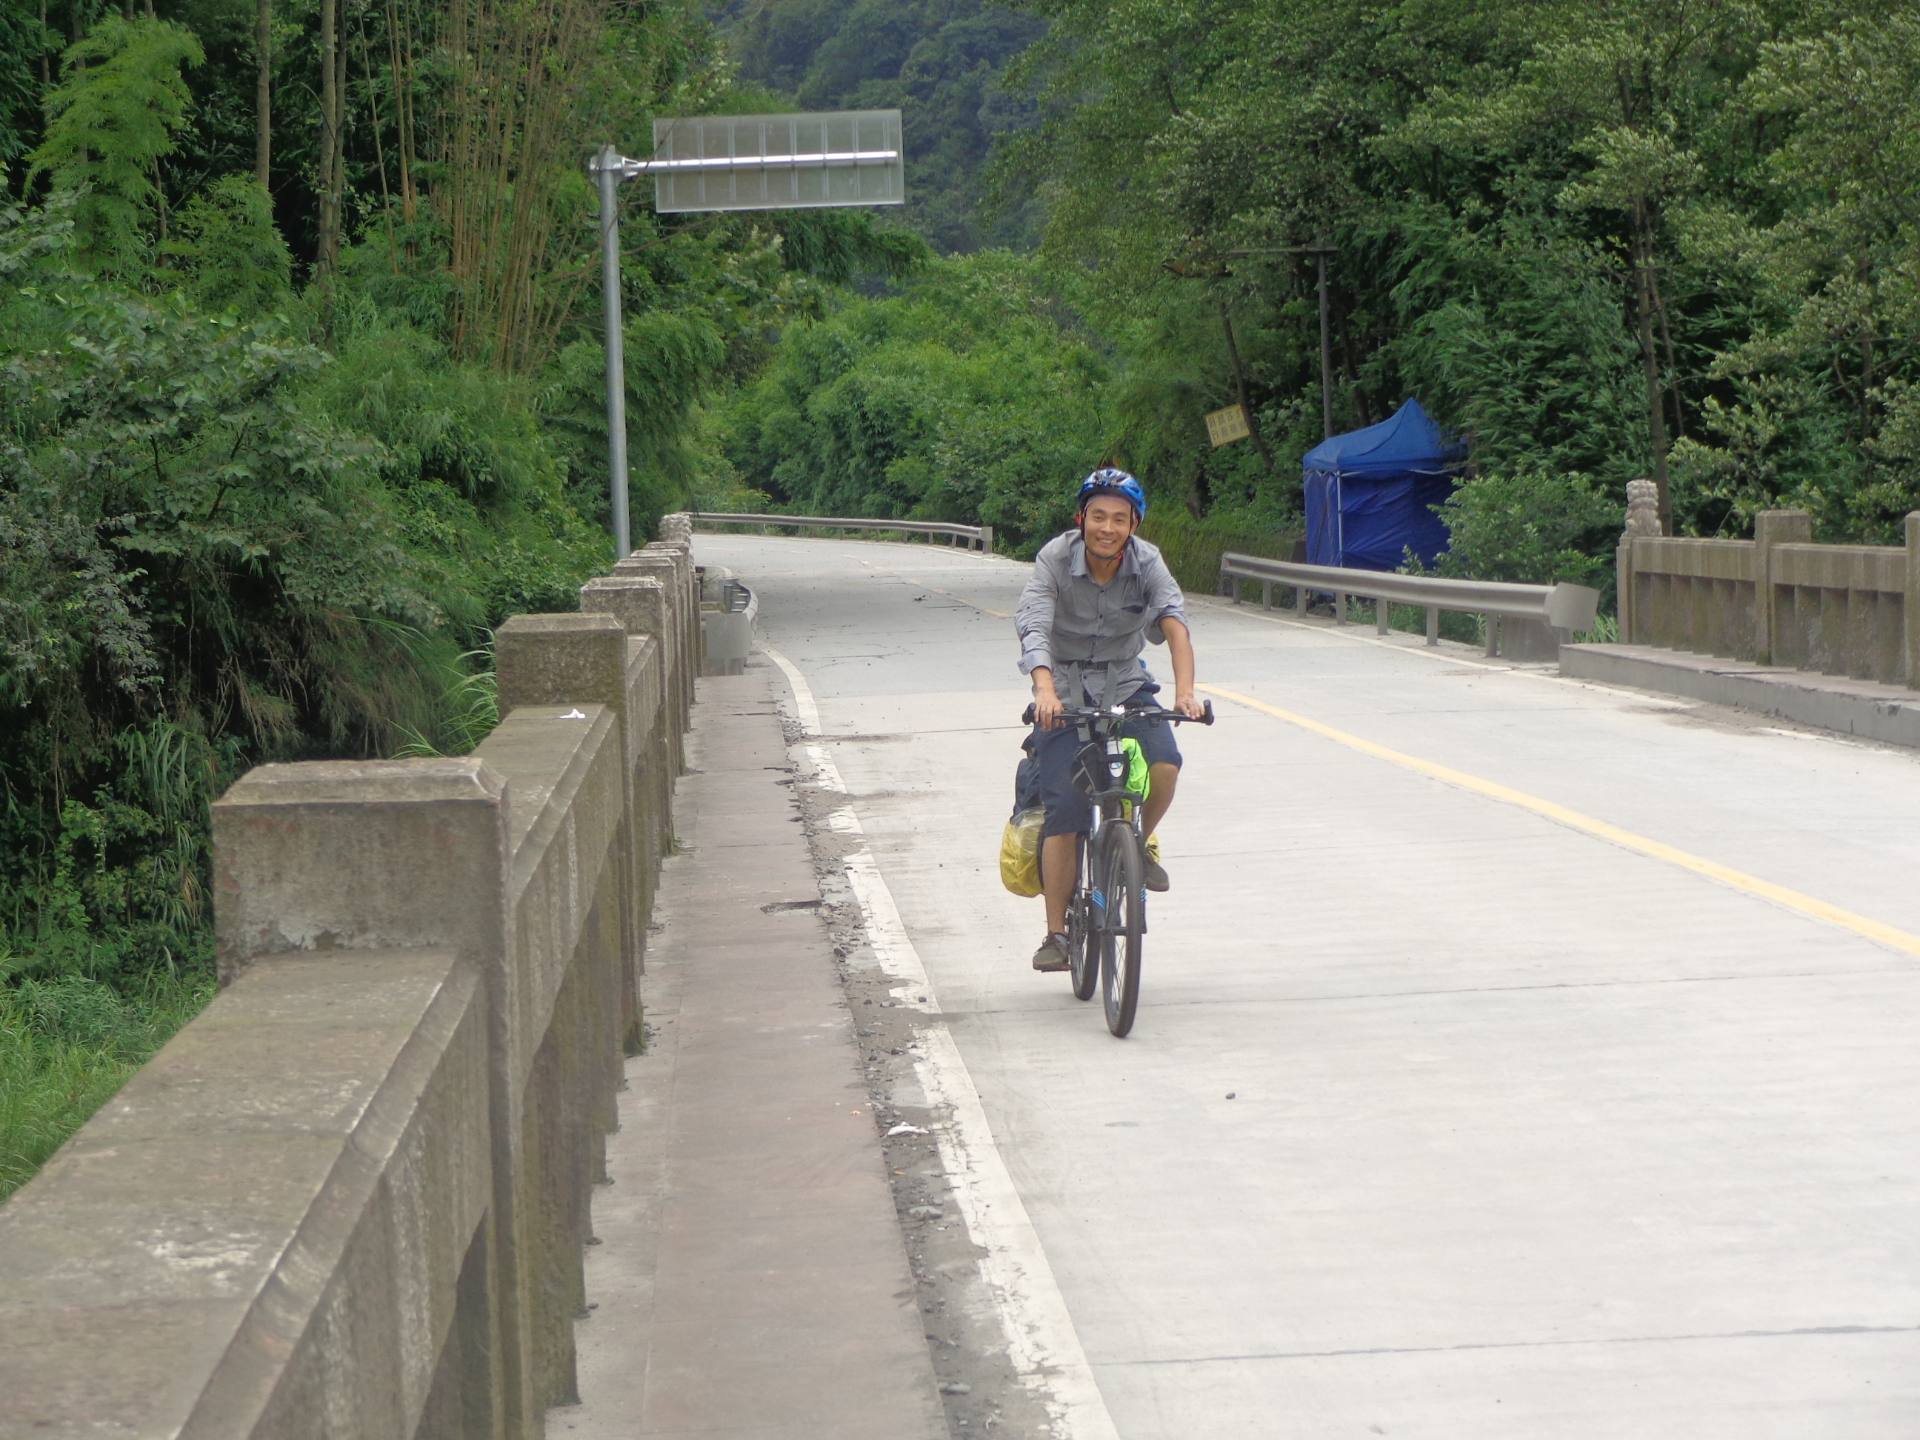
[1033, 1317]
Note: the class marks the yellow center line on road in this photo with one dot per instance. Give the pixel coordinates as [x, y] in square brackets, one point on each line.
[1861, 925]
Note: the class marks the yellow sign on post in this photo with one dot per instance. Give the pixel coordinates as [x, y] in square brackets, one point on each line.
[1226, 426]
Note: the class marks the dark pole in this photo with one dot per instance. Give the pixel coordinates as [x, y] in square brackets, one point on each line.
[1326, 351]
[1320, 252]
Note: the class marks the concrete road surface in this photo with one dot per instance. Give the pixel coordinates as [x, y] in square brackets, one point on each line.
[1515, 1057]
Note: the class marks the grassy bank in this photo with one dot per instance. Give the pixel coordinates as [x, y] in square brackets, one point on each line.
[67, 1044]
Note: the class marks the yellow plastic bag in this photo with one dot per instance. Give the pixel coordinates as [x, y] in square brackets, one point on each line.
[1020, 852]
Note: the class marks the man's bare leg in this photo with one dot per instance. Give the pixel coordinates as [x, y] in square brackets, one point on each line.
[1163, 778]
[1058, 862]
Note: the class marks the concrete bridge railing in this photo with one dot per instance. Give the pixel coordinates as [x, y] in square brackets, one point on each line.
[350, 1199]
[1778, 599]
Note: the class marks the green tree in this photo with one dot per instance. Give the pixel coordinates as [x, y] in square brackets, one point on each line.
[1822, 393]
[229, 253]
[963, 398]
[24, 44]
[1617, 95]
[111, 120]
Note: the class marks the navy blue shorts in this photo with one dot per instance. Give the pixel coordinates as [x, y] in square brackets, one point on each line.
[1067, 808]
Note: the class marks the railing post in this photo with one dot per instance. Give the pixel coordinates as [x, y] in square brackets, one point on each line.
[1912, 606]
[573, 660]
[1771, 528]
[382, 855]
[1433, 624]
[1623, 587]
[664, 567]
[640, 605]
[1643, 518]
[680, 550]
[1382, 614]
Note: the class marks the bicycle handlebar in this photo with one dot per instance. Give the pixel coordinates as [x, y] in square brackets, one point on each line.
[1144, 712]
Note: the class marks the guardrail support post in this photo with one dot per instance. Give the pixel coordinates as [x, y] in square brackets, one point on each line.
[1433, 624]
[1382, 617]
[1493, 635]
[1339, 607]
[1266, 594]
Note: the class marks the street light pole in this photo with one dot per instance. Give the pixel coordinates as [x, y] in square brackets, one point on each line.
[751, 162]
[607, 169]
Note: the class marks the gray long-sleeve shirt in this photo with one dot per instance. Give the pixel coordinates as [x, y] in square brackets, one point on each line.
[1069, 622]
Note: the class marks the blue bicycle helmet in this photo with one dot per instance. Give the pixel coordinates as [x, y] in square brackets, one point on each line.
[1110, 481]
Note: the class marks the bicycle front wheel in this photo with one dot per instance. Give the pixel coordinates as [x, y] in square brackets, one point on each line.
[1122, 933]
[1083, 948]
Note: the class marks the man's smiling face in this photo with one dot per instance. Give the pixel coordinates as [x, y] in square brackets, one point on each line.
[1107, 523]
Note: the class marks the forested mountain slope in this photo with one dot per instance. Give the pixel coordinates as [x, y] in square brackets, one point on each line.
[942, 63]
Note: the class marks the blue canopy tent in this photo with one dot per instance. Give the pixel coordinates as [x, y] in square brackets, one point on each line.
[1370, 492]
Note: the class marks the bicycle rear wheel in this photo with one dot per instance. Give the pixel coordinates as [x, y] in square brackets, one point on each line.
[1122, 935]
[1083, 950]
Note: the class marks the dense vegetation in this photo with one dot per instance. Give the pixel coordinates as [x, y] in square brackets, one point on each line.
[301, 392]
[300, 377]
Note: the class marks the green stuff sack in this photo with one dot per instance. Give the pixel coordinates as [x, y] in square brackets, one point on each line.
[1020, 852]
[1139, 783]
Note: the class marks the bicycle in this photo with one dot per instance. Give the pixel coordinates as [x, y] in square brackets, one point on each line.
[1107, 914]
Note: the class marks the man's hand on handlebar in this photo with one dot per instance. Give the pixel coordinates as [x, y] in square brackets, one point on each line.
[1046, 706]
[1189, 706]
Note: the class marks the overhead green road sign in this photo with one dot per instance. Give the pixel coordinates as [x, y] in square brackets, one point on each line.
[777, 162]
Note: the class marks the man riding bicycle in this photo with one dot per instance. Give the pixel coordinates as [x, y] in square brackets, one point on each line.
[1097, 594]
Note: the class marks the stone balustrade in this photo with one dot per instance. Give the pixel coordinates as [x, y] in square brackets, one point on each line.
[1778, 599]
[350, 1199]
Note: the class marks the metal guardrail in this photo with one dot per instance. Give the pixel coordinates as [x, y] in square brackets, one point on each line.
[1564, 609]
[976, 536]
